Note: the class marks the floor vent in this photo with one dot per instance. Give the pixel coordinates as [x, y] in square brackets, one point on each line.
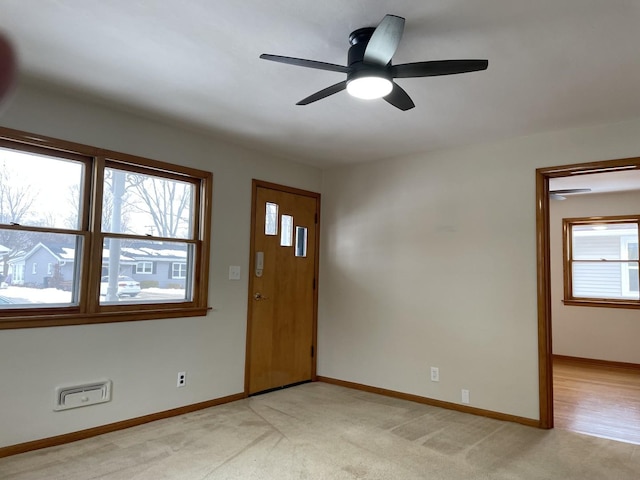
[82, 395]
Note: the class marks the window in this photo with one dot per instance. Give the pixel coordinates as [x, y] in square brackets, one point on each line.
[601, 261]
[271, 219]
[286, 232]
[94, 217]
[179, 270]
[144, 268]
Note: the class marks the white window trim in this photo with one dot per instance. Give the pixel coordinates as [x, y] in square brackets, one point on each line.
[180, 269]
[144, 271]
[18, 275]
[34, 268]
[625, 267]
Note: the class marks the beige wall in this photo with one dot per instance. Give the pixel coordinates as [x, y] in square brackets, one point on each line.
[142, 358]
[599, 333]
[428, 260]
[431, 261]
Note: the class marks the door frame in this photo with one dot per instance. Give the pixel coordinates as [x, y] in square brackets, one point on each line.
[255, 184]
[543, 250]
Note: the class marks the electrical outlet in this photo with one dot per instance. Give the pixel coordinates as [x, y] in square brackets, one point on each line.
[465, 396]
[182, 379]
[435, 374]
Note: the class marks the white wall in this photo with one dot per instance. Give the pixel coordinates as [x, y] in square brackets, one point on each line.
[587, 332]
[142, 358]
[431, 261]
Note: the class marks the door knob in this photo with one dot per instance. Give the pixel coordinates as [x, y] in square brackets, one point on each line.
[258, 296]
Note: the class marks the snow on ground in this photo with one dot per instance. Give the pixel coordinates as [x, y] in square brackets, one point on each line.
[25, 295]
[35, 295]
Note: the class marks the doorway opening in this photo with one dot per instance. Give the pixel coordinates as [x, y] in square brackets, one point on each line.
[543, 234]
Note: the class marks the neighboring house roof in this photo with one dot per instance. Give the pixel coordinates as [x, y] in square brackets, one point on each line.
[4, 249]
[131, 254]
[149, 252]
[62, 252]
[59, 252]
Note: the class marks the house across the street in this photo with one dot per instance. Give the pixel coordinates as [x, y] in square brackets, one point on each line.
[151, 264]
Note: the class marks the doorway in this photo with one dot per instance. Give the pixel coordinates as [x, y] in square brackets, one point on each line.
[283, 287]
[545, 341]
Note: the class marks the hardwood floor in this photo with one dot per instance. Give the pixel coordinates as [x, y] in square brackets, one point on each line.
[597, 399]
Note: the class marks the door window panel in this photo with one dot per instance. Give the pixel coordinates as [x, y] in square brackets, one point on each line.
[286, 236]
[271, 219]
[301, 241]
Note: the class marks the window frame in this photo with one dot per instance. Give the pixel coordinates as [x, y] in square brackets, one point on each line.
[180, 266]
[144, 272]
[568, 260]
[89, 310]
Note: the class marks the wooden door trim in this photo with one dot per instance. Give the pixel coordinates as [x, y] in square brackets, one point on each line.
[255, 184]
[543, 250]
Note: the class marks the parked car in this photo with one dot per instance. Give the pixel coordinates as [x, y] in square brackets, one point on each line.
[127, 286]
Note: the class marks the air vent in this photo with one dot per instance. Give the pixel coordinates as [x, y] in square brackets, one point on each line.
[82, 395]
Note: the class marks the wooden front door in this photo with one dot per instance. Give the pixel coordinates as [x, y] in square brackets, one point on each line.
[281, 329]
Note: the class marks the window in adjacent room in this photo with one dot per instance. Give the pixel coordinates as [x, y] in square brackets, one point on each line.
[101, 222]
[601, 261]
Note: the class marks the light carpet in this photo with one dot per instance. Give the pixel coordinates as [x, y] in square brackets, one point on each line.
[322, 431]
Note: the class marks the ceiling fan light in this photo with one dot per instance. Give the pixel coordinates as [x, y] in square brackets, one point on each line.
[369, 87]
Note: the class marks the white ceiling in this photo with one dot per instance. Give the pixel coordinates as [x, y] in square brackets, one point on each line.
[614, 181]
[553, 64]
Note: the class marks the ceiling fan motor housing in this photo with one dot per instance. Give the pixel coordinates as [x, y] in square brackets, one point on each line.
[359, 39]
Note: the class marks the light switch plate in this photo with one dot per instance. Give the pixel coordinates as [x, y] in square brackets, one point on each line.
[234, 272]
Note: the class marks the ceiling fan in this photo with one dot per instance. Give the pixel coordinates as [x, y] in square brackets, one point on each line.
[370, 73]
[560, 194]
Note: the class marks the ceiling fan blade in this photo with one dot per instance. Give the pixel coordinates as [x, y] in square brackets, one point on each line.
[399, 98]
[385, 40]
[301, 62]
[569, 191]
[338, 87]
[437, 67]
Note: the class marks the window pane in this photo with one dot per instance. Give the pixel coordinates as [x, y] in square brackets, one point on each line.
[271, 219]
[144, 268]
[38, 190]
[170, 281]
[147, 205]
[286, 237]
[23, 283]
[600, 242]
[632, 276]
[601, 280]
[301, 241]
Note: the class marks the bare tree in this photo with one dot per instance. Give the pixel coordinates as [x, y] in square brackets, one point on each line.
[167, 202]
[16, 200]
